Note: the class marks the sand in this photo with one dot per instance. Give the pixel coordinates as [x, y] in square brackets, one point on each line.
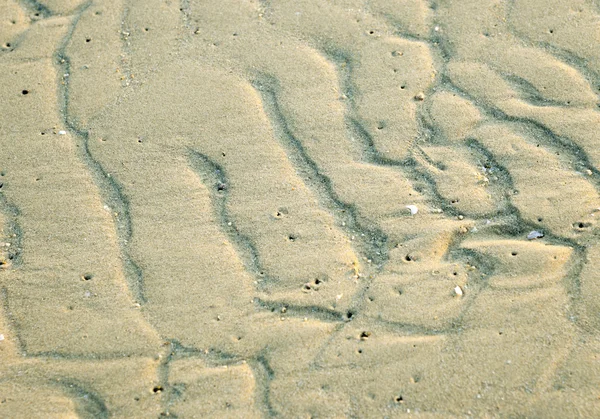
[303, 209]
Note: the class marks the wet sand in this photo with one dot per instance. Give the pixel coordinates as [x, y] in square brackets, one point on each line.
[311, 209]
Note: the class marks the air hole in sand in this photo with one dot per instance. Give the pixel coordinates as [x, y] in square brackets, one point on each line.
[70, 307]
[6, 45]
[540, 219]
[371, 299]
[402, 87]
[221, 187]
[408, 258]
[146, 29]
[317, 281]
[25, 92]
[88, 39]
[359, 351]
[87, 277]
[349, 315]
[157, 389]
[306, 287]
[551, 30]
[292, 237]
[365, 335]
[371, 32]
[399, 399]
[514, 253]
[454, 273]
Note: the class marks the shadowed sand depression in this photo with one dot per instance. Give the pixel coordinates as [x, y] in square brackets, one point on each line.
[203, 208]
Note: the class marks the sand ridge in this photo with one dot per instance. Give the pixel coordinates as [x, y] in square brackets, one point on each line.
[203, 208]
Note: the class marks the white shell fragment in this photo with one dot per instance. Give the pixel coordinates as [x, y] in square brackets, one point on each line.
[61, 132]
[1, 337]
[458, 291]
[535, 235]
[413, 209]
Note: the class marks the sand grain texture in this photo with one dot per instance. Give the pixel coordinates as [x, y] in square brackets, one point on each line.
[203, 208]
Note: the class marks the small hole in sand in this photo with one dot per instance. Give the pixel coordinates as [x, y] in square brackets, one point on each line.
[514, 253]
[365, 335]
[408, 258]
[403, 87]
[157, 389]
[292, 237]
[399, 399]
[25, 92]
[371, 32]
[87, 277]
[359, 351]
[349, 315]
[88, 39]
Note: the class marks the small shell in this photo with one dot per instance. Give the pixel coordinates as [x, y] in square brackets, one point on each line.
[458, 291]
[413, 209]
[535, 235]
[62, 132]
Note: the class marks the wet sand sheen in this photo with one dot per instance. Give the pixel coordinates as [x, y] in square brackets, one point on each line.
[204, 208]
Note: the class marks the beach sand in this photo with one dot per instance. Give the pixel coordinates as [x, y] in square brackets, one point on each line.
[299, 209]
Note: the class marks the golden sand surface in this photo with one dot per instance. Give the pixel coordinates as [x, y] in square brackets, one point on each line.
[299, 208]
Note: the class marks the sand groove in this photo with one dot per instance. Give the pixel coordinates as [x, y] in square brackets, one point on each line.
[203, 208]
